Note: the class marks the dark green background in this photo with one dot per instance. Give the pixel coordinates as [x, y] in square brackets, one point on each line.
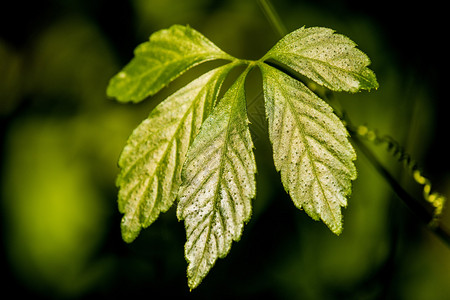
[61, 137]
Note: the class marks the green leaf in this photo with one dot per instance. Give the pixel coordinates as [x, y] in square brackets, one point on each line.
[327, 58]
[152, 159]
[168, 54]
[204, 155]
[218, 184]
[310, 147]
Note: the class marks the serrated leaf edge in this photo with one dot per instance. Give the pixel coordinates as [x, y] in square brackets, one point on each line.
[336, 223]
[163, 204]
[196, 276]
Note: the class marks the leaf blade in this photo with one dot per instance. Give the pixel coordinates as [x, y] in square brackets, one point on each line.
[218, 184]
[331, 60]
[310, 148]
[152, 159]
[168, 53]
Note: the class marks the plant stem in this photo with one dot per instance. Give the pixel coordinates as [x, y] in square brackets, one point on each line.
[273, 17]
[423, 213]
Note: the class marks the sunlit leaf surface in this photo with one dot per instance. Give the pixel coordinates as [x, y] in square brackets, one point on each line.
[152, 159]
[218, 184]
[168, 54]
[310, 147]
[328, 58]
[201, 152]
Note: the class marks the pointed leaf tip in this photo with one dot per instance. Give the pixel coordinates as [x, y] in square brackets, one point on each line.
[168, 54]
[218, 184]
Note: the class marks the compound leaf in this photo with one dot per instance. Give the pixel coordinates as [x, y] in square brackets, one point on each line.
[218, 184]
[310, 147]
[168, 54]
[327, 58]
[154, 154]
[203, 154]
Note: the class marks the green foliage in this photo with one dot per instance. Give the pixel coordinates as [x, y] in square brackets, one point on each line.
[218, 184]
[152, 159]
[330, 59]
[168, 54]
[310, 147]
[201, 153]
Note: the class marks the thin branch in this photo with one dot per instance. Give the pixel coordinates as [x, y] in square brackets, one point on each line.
[273, 17]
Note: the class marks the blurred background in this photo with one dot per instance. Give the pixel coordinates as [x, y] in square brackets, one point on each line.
[61, 138]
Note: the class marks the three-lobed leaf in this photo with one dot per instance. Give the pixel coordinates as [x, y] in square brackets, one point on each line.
[310, 147]
[218, 184]
[168, 54]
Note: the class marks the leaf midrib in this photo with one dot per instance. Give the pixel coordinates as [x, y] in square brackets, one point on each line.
[221, 167]
[169, 144]
[305, 142]
[196, 59]
[302, 57]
